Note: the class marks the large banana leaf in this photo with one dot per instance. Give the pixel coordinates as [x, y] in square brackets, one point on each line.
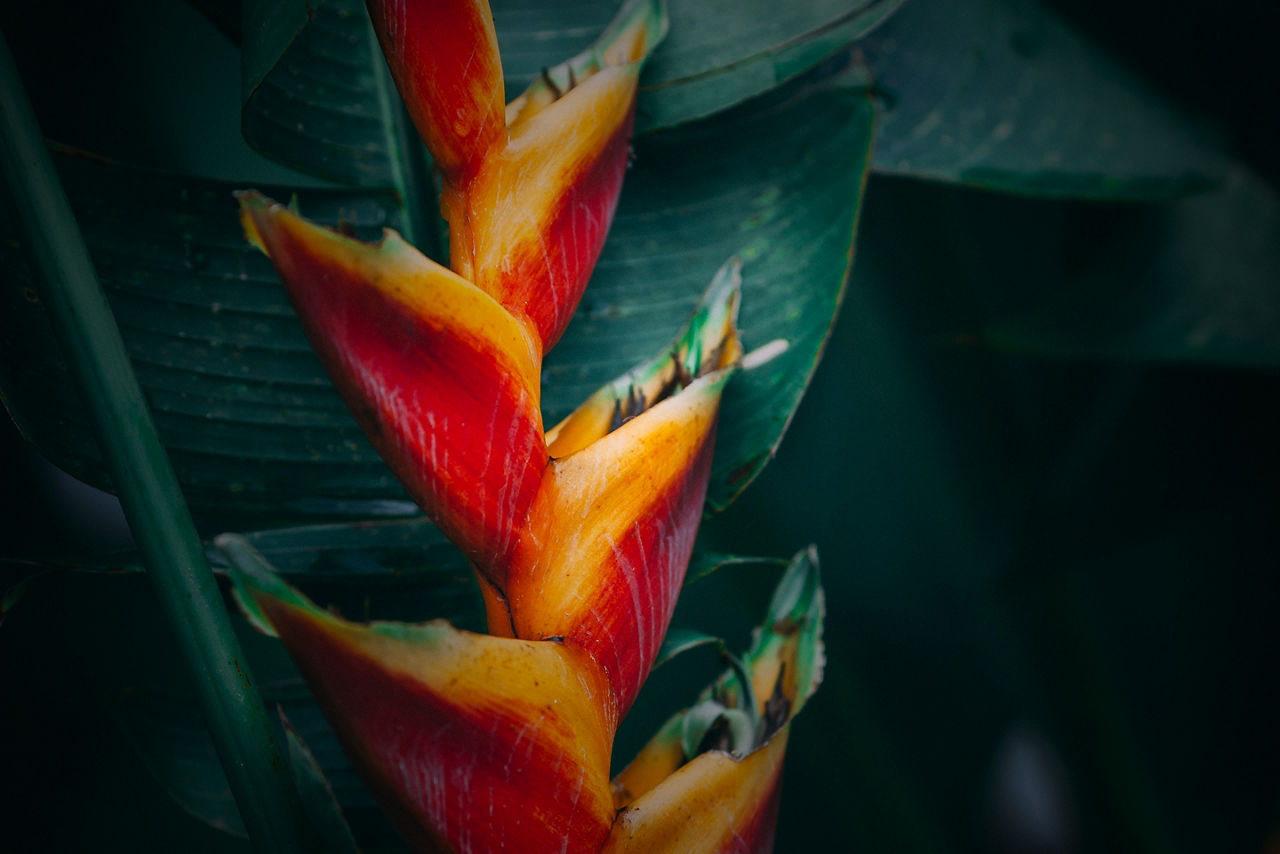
[1004, 94]
[723, 52]
[250, 420]
[317, 96]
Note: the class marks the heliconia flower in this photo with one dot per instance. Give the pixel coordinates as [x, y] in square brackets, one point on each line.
[529, 192]
[482, 744]
[582, 533]
[709, 781]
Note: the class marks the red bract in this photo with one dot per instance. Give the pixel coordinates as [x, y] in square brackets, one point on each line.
[443, 380]
[443, 56]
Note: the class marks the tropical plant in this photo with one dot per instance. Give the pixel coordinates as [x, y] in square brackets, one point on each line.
[957, 460]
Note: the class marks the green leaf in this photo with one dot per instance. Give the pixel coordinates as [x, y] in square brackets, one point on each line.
[720, 54]
[321, 807]
[1191, 282]
[706, 561]
[716, 54]
[679, 641]
[315, 91]
[404, 548]
[317, 97]
[255, 431]
[227, 18]
[1004, 94]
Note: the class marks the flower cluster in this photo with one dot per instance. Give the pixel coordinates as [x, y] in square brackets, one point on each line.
[579, 535]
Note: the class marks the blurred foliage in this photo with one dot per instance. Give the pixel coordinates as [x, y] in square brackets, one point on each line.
[1039, 458]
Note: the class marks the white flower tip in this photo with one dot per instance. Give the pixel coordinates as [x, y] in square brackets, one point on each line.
[765, 353]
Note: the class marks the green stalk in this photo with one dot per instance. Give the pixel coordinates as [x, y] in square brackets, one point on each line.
[185, 587]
